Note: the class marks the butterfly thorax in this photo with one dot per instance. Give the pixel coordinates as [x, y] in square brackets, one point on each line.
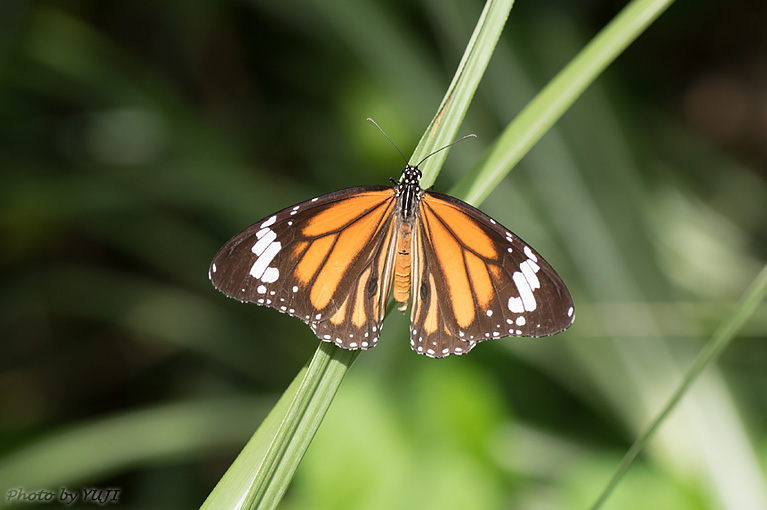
[408, 192]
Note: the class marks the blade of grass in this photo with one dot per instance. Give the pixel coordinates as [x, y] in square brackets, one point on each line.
[233, 487]
[444, 126]
[560, 93]
[244, 488]
[748, 304]
[303, 418]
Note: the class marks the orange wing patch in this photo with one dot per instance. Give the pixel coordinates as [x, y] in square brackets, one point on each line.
[357, 322]
[340, 315]
[313, 258]
[463, 228]
[350, 243]
[430, 323]
[480, 279]
[359, 314]
[337, 216]
[449, 255]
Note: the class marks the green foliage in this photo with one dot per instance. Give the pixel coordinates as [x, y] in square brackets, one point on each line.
[135, 139]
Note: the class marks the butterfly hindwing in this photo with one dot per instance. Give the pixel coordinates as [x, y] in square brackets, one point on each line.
[358, 320]
[475, 280]
[324, 261]
[429, 332]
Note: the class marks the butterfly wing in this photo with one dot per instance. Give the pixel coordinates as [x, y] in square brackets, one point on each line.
[474, 280]
[326, 261]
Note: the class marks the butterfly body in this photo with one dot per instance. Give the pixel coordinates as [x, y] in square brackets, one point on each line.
[333, 262]
[408, 194]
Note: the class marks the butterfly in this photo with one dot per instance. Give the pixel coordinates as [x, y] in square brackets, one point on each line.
[334, 261]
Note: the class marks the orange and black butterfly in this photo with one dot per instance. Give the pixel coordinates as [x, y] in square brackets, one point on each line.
[334, 260]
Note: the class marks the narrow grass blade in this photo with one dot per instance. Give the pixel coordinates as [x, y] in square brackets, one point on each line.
[750, 301]
[303, 418]
[444, 126]
[549, 105]
[233, 487]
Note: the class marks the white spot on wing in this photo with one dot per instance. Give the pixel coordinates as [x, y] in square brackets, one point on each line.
[520, 321]
[270, 275]
[257, 271]
[269, 222]
[261, 289]
[528, 268]
[489, 313]
[265, 241]
[265, 259]
[525, 292]
[515, 303]
[570, 312]
[530, 254]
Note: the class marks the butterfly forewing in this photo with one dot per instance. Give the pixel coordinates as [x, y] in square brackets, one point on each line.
[475, 280]
[325, 261]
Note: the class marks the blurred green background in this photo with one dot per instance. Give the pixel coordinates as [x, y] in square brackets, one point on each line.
[137, 137]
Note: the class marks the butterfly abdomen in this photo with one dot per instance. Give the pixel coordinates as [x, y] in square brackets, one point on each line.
[403, 265]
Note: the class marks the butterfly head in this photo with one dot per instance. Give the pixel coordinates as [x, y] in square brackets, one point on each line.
[410, 176]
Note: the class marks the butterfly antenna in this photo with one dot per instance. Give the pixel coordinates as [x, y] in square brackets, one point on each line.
[472, 135]
[387, 137]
